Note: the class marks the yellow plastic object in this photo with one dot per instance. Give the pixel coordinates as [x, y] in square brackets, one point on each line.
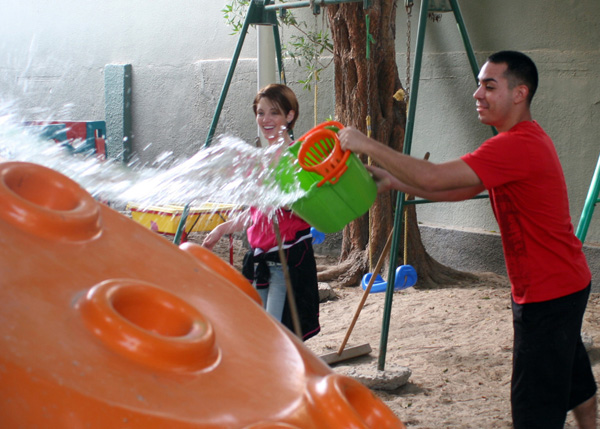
[165, 219]
[105, 324]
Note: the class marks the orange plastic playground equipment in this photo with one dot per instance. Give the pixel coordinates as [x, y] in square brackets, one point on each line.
[106, 324]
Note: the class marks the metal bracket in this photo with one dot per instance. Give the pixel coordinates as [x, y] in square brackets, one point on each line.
[439, 6]
[259, 15]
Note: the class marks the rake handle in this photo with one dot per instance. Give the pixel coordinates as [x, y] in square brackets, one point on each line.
[372, 279]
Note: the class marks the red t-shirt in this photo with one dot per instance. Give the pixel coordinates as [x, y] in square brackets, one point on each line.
[522, 173]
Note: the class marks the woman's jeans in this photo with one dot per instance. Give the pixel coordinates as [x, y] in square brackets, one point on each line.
[273, 297]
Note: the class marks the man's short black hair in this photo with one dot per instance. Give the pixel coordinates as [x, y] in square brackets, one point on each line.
[521, 70]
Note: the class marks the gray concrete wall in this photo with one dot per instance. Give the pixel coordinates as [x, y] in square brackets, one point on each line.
[476, 251]
[53, 56]
[465, 249]
[563, 38]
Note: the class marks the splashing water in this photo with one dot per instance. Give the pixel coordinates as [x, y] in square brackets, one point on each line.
[231, 171]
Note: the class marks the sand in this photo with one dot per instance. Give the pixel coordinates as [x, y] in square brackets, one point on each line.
[456, 340]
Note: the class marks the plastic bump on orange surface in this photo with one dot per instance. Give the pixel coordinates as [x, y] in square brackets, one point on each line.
[105, 324]
[211, 261]
[149, 325]
[46, 203]
[343, 402]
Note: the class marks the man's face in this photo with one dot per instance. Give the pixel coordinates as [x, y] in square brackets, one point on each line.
[494, 98]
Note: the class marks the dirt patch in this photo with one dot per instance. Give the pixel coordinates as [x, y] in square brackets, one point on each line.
[456, 340]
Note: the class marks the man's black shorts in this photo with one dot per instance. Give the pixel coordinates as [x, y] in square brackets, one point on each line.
[551, 369]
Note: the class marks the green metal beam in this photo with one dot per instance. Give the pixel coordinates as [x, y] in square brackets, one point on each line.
[118, 101]
[465, 37]
[590, 203]
[277, 40]
[181, 225]
[424, 201]
[439, 6]
[257, 14]
[260, 15]
[412, 107]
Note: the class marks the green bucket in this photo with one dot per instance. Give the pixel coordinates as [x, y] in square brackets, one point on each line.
[335, 203]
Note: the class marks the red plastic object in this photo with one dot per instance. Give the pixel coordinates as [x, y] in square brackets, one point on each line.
[91, 133]
[322, 153]
[100, 143]
[106, 325]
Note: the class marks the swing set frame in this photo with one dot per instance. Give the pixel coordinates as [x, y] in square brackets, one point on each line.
[263, 12]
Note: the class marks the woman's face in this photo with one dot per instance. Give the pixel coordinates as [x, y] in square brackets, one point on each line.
[272, 121]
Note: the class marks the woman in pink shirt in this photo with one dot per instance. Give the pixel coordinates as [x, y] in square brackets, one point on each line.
[276, 109]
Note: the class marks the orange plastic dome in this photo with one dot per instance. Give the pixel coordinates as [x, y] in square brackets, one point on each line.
[106, 324]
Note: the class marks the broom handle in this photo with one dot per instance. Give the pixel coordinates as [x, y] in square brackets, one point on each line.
[367, 291]
[372, 279]
[288, 283]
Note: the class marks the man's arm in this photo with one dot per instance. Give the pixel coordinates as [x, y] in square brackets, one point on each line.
[386, 182]
[423, 178]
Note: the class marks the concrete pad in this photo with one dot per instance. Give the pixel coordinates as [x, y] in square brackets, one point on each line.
[393, 377]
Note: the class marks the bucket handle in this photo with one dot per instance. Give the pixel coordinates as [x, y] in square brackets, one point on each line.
[334, 126]
[334, 175]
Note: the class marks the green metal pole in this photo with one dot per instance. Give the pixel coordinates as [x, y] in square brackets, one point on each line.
[465, 37]
[588, 207]
[280, 62]
[414, 90]
[278, 54]
[468, 47]
[412, 108]
[225, 89]
[181, 226]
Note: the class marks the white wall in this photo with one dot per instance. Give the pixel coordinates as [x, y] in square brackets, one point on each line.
[52, 58]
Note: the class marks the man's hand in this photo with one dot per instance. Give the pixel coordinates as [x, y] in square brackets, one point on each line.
[353, 140]
[384, 180]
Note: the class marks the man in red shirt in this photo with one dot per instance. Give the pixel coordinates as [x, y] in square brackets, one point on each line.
[550, 278]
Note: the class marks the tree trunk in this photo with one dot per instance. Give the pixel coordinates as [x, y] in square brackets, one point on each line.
[362, 87]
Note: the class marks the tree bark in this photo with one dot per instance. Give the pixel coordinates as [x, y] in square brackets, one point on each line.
[366, 86]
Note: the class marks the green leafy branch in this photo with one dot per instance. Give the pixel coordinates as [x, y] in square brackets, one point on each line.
[235, 13]
[306, 49]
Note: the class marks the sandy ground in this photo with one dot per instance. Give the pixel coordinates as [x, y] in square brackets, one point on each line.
[456, 340]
